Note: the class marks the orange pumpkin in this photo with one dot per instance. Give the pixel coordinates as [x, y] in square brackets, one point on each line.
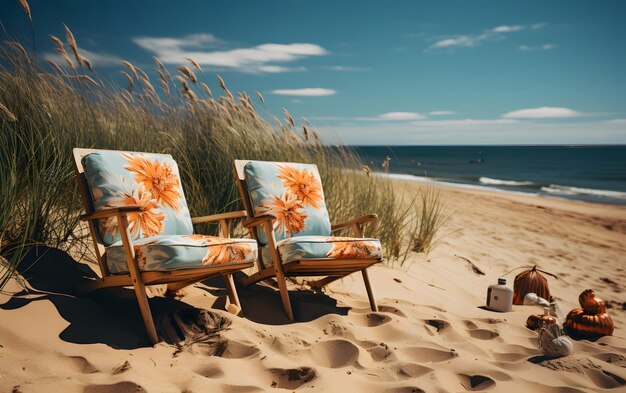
[590, 303]
[591, 320]
[530, 281]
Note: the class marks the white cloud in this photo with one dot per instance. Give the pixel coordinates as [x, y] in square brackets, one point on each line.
[461, 40]
[441, 113]
[205, 49]
[463, 122]
[508, 29]
[346, 68]
[401, 116]
[474, 131]
[541, 113]
[97, 59]
[470, 40]
[306, 92]
[275, 69]
[538, 47]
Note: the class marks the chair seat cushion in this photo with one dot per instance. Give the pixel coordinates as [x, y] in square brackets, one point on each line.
[324, 247]
[173, 252]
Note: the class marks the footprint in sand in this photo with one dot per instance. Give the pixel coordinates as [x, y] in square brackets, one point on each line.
[436, 325]
[613, 358]
[412, 370]
[210, 372]
[476, 382]
[237, 350]
[405, 389]
[381, 353]
[334, 353]
[82, 365]
[291, 378]
[429, 355]
[392, 310]
[371, 319]
[605, 379]
[240, 389]
[120, 387]
[483, 334]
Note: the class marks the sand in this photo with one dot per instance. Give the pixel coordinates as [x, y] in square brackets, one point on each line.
[430, 334]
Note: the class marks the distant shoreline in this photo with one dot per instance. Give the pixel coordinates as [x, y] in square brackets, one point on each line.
[487, 189]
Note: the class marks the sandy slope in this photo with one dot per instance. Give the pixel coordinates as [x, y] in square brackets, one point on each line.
[430, 334]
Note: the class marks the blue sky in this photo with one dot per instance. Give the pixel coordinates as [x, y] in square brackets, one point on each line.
[379, 72]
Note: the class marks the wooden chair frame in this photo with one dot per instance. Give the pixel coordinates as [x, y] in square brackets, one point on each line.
[336, 270]
[175, 279]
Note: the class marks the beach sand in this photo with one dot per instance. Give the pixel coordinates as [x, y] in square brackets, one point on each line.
[430, 334]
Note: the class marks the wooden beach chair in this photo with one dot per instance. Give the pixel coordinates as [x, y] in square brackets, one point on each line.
[289, 220]
[142, 230]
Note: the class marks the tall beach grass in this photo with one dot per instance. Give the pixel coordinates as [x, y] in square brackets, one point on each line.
[47, 109]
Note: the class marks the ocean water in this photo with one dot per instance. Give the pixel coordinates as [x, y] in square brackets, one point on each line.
[589, 173]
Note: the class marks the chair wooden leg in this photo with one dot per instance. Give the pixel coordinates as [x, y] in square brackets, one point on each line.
[232, 291]
[278, 269]
[284, 295]
[140, 288]
[144, 307]
[368, 288]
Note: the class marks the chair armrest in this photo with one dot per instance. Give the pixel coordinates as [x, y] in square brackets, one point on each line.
[256, 221]
[355, 221]
[218, 217]
[113, 211]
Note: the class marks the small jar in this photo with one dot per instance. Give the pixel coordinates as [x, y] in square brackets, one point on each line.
[500, 297]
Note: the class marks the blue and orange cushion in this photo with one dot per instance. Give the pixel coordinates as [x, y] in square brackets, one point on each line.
[172, 252]
[293, 194]
[162, 233]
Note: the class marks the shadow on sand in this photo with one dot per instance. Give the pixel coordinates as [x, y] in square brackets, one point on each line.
[111, 316]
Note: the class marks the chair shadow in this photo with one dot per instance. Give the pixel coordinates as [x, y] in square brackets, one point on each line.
[262, 304]
[108, 316]
[111, 316]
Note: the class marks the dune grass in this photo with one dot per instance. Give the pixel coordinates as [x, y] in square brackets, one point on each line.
[49, 109]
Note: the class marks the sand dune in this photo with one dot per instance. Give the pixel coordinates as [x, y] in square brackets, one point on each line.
[430, 334]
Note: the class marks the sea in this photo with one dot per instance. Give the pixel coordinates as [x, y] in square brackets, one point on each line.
[588, 173]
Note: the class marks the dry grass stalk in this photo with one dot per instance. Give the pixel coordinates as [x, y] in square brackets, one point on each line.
[221, 82]
[71, 41]
[86, 63]
[206, 89]
[142, 72]
[149, 86]
[183, 83]
[7, 113]
[288, 118]
[195, 64]
[20, 49]
[56, 67]
[188, 73]
[131, 82]
[258, 94]
[26, 8]
[131, 67]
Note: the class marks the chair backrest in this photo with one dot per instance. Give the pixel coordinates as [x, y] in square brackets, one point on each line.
[110, 178]
[290, 191]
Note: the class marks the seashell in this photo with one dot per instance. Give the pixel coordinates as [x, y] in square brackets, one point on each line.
[554, 343]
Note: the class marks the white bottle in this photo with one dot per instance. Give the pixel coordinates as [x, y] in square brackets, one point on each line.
[500, 297]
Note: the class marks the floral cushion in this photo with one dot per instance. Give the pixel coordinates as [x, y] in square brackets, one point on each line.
[331, 247]
[290, 192]
[162, 253]
[149, 180]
